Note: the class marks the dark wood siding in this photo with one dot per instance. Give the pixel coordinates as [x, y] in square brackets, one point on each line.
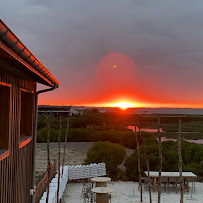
[16, 170]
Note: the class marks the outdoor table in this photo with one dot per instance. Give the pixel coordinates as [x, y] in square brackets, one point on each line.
[101, 191]
[155, 175]
[101, 181]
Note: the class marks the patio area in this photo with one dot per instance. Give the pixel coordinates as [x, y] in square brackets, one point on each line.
[123, 192]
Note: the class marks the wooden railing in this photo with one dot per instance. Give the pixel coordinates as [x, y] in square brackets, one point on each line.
[43, 184]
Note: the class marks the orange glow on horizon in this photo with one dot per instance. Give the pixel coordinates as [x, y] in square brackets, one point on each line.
[126, 103]
[123, 105]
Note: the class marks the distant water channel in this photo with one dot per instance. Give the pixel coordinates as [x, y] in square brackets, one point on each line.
[131, 127]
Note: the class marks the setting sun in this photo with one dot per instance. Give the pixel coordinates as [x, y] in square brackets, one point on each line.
[123, 105]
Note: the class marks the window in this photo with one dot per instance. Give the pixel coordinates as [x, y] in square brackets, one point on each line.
[26, 123]
[4, 117]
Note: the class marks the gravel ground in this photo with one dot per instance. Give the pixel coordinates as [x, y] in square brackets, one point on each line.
[122, 190]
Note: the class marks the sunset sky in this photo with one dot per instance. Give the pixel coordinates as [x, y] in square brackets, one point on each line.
[148, 53]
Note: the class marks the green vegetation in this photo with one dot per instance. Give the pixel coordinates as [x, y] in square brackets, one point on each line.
[94, 126]
[192, 158]
[42, 135]
[125, 138]
[111, 154]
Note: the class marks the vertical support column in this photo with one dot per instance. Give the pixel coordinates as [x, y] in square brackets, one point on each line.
[180, 161]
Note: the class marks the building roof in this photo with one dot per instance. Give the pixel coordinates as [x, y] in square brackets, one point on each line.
[17, 57]
[53, 108]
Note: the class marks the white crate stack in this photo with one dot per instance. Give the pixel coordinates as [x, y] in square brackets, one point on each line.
[101, 169]
[86, 171]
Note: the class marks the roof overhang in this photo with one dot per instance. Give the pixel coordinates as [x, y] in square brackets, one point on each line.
[14, 55]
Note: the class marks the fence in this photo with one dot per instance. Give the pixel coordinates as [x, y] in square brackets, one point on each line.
[43, 185]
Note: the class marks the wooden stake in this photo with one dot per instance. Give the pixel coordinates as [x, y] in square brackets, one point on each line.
[48, 158]
[160, 161]
[64, 151]
[59, 156]
[180, 162]
[147, 162]
[138, 163]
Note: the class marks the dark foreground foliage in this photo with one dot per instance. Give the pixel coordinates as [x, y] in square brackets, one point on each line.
[192, 158]
[111, 154]
[88, 133]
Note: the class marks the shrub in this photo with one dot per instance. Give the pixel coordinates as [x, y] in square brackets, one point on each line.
[111, 154]
[41, 123]
[191, 153]
[42, 135]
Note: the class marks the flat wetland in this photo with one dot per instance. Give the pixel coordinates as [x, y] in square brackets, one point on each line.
[192, 125]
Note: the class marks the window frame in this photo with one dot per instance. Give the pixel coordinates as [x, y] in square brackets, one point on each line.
[27, 139]
[7, 152]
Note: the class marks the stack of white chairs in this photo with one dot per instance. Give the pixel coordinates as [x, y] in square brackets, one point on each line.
[102, 169]
[80, 172]
[86, 171]
[71, 173]
[94, 170]
[99, 169]
[77, 171]
[83, 168]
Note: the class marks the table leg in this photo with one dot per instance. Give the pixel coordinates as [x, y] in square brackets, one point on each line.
[100, 184]
[154, 186]
[99, 199]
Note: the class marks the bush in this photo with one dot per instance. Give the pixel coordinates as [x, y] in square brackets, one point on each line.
[192, 156]
[119, 175]
[42, 135]
[41, 123]
[93, 131]
[112, 154]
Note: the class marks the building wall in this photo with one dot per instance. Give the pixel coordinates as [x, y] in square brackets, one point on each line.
[16, 166]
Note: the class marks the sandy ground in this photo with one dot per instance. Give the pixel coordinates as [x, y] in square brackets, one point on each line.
[123, 189]
[75, 154]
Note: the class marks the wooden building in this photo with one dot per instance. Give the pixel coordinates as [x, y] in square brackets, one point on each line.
[20, 71]
[54, 111]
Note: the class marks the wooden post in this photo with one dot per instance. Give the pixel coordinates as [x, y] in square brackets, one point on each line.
[64, 151]
[138, 163]
[59, 156]
[48, 159]
[180, 162]
[160, 160]
[148, 168]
